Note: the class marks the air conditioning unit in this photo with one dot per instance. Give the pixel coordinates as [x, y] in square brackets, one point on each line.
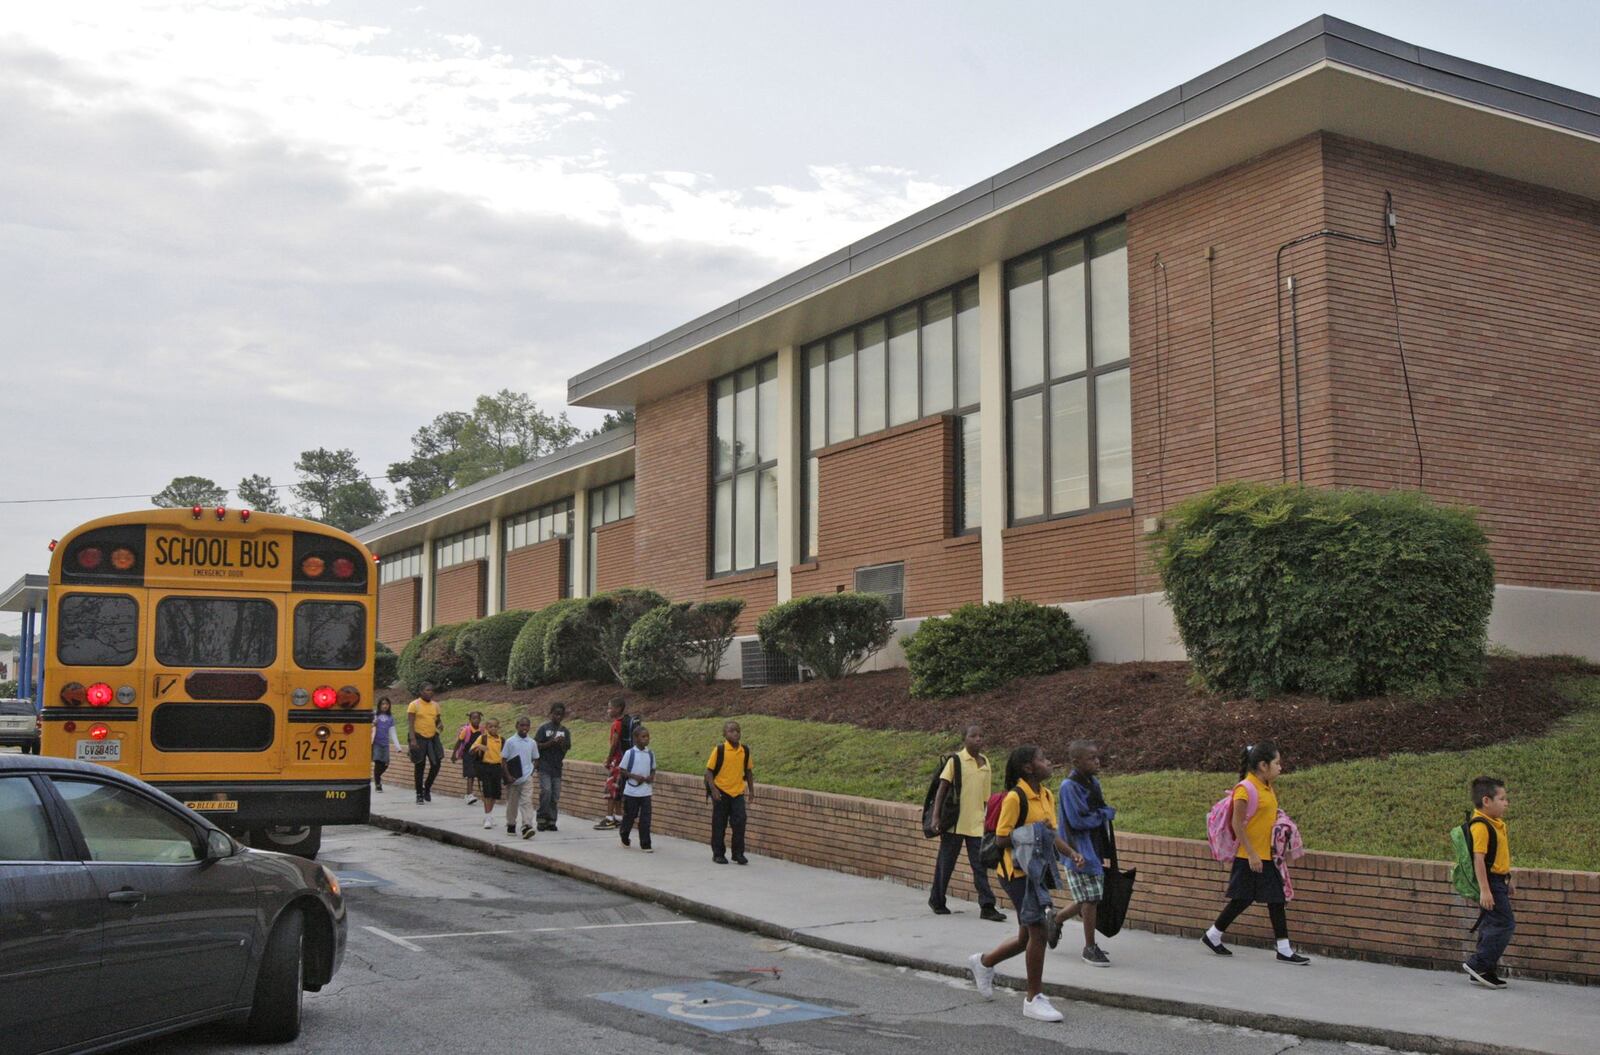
[758, 667]
[888, 580]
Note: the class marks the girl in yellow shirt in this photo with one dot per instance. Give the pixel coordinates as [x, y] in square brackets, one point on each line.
[486, 750]
[1255, 877]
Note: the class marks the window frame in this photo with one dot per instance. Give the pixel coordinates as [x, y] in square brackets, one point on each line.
[77, 844]
[467, 539]
[756, 470]
[294, 634]
[1090, 374]
[596, 514]
[61, 612]
[55, 830]
[957, 410]
[400, 565]
[155, 631]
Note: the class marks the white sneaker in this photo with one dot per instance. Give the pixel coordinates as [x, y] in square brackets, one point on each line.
[471, 799]
[1039, 1007]
[982, 977]
[488, 821]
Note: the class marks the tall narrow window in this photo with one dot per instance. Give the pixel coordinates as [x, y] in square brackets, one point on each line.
[1067, 348]
[744, 489]
[607, 505]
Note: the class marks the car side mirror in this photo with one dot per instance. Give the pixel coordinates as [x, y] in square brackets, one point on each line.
[219, 846]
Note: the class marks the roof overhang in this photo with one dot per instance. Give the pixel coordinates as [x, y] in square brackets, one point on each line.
[1326, 75]
[604, 459]
[27, 593]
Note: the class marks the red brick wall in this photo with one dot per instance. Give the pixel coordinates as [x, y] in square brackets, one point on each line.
[614, 546]
[891, 496]
[399, 611]
[1075, 559]
[1373, 908]
[1499, 289]
[536, 575]
[460, 593]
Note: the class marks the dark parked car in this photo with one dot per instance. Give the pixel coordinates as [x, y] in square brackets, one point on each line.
[19, 725]
[124, 915]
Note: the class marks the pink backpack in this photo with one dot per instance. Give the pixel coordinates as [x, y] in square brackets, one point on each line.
[1219, 822]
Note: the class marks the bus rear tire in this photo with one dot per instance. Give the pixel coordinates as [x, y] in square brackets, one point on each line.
[302, 841]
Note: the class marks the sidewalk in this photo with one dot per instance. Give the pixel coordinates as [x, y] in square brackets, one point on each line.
[1348, 1000]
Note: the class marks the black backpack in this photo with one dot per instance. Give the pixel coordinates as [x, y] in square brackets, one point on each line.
[933, 826]
[716, 766]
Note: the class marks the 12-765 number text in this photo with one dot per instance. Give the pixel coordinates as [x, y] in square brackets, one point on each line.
[321, 751]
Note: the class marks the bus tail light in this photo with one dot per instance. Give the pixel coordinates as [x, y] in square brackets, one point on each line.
[69, 727]
[222, 512]
[99, 731]
[349, 696]
[197, 512]
[73, 693]
[99, 694]
[122, 558]
[244, 516]
[348, 728]
[89, 557]
[343, 567]
[313, 567]
[324, 697]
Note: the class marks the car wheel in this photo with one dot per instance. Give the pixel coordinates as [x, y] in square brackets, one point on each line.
[280, 984]
[303, 841]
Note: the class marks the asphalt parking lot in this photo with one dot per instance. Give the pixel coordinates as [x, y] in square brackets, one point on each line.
[454, 951]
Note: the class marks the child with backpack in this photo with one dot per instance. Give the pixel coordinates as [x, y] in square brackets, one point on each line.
[622, 725]
[1250, 813]
[466, 736]
[731, 786]
[954, 814]
[1082, 815]
[486, 752]
[1025, 833]
[638, 767]
[1485, 841]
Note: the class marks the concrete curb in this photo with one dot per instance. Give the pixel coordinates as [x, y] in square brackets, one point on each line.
[1304, 1027]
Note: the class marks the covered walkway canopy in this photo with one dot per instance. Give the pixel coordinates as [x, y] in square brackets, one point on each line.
[29, 595]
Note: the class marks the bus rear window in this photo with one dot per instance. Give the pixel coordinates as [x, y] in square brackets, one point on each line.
[97, 630]
[216, 632]
[330, 635]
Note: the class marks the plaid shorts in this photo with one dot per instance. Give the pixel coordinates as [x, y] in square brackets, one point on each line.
[1084, 887]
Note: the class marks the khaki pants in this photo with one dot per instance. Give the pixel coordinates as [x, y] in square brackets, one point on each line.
[519, 803]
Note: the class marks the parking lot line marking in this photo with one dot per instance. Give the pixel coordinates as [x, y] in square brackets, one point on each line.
[402, 942]
[534, 930]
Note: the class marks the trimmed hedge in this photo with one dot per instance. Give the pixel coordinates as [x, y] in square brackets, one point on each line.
[980, 646]
[712, 625]
[488, 642]
[672, 643]
[525, 667]
[385, 665]
[832, 633]
[1342, 593]
[431, 657]
[586, 642]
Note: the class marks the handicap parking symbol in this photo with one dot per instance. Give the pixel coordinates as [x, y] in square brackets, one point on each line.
[717, 1007]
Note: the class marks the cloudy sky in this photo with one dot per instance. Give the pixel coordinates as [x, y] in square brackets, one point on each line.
[232, 231]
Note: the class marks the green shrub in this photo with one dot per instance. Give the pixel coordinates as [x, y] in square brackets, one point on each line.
[570, 646]
[385, 666]
[465, 640]
[979, 646]
[832, 633]
[655, 655]
[591, 638]
[1286, 588]
[711, 627]
[488, 642]
[431, 657]
[8, 689]
[525, 668]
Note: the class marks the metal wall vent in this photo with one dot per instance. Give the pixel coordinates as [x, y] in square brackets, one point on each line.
[758, 667]
[888, 580]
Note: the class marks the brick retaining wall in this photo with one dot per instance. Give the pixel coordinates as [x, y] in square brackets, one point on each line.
[1349, 905]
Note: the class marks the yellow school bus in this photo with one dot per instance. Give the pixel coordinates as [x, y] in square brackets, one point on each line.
[223, 656]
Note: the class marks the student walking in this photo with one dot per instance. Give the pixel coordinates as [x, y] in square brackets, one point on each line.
[552, 738]
[622, 724]
[383, 740]
[422, 737]
[1491, 863]
[1026, 832]
[487, 752]
[1081, 816]
[639, 777]
[966, 775]
[466, 736]
[518, 757]
[1256, 877]
[731, 783]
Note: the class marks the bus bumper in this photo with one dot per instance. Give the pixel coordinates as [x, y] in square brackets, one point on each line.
[237, 805]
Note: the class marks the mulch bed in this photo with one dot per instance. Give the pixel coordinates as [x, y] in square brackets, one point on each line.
[1147, 715]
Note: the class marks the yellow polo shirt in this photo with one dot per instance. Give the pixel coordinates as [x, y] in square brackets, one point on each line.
[734, 760]
[1041, 807]
[491, 748]
[1501, 865]
[424, 717]
[975, 782]
[1259, 825]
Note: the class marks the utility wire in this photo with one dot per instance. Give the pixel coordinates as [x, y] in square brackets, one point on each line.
[111, 498]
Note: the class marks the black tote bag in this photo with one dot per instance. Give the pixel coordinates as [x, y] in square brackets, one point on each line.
[1119, 891]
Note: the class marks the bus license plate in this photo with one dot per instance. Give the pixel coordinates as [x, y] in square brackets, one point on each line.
[99, 751]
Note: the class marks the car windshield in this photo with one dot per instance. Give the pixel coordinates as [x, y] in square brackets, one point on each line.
[16, 707]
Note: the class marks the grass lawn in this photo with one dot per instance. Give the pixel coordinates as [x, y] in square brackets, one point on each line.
[1399, 806]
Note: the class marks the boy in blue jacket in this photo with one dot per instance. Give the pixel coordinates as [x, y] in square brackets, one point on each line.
[1081, 818]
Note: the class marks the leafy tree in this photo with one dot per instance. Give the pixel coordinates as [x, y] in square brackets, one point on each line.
[257, 492]
[616, 419]
[458, 448]
[189, 491]
[333, 490]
